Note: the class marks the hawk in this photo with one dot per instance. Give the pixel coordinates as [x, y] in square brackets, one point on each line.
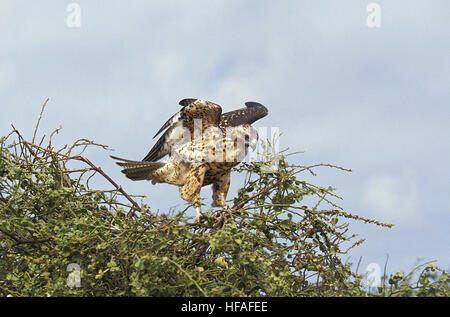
[203, 145]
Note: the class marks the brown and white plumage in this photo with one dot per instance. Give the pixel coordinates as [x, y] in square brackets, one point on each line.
[195, 162]
[191, 109]
[195, 108]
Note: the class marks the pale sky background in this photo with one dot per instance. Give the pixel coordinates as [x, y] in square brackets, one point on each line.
[371, 99]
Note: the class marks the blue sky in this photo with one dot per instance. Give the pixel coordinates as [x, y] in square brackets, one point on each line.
[371, 99]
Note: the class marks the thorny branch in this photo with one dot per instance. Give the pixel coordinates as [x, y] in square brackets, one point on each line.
[98, 170]
[220, 221]
[23, 241]
[109, 179]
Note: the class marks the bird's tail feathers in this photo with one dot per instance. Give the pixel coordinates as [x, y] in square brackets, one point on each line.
[137, 170]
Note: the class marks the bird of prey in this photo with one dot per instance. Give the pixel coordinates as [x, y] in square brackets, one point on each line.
[203, 145]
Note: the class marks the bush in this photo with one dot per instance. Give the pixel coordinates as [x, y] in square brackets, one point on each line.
[59, 237]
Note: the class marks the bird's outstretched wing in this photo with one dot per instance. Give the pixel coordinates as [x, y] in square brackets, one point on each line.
[192, 109]
[253, 111]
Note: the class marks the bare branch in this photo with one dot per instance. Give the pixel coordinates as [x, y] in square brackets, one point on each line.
[39, 120]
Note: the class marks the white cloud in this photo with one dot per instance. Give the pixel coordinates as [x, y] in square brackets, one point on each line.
[393, 199]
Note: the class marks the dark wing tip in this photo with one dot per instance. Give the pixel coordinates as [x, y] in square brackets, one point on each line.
[251, 113]
[187, 101]
[251, 104]
[259, 108]
[161, 130]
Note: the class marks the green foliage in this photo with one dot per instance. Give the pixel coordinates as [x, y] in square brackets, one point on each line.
[431, 281]
[267, 244]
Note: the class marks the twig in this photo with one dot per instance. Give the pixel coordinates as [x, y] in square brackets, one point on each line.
[189, 276]
[98, 170]
[39, 120]
[359, 262]
[23, 141]
[109, 179]
[264, 191]
[221, 220]
[22, 241]
[384, 274]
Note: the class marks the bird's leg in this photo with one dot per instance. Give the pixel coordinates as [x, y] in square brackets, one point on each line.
[220, 189]
[199, 214]
[190, 191]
